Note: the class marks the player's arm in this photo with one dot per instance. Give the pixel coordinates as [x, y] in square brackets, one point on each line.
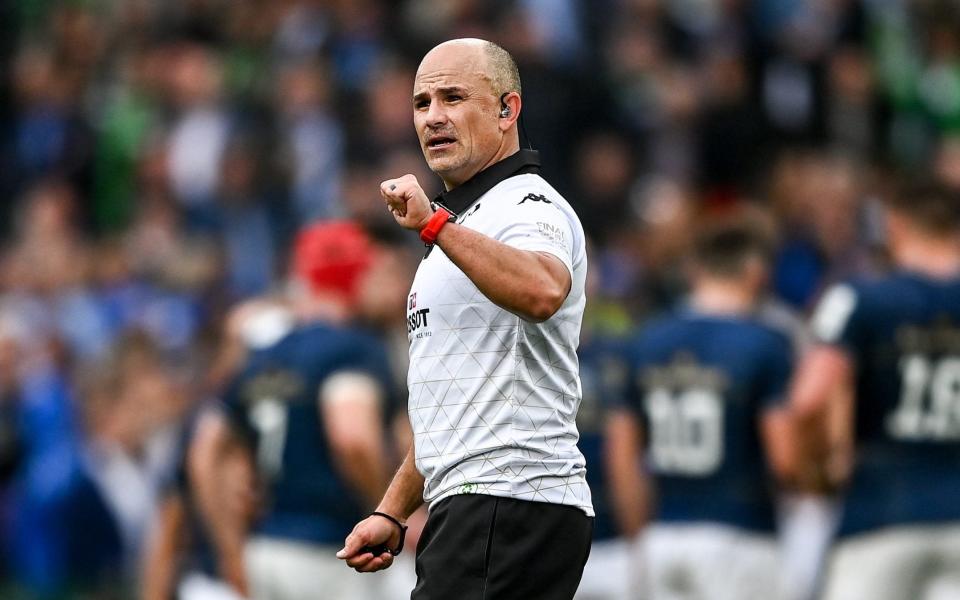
[227, 529]
[794, 435]
[351, 405]
[822, 391]
[821, 398]
[778, 434]
[532, 285]
[402, 498]
[629, 486]
[160, 556]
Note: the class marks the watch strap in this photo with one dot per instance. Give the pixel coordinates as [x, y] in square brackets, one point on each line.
[441, 216]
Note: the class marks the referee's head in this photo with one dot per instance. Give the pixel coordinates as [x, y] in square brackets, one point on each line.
[466, 101]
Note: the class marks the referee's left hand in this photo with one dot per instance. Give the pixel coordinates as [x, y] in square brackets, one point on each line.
[371, 532]
[407, 202]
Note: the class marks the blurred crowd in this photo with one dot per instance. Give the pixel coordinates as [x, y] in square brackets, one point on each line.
[157, 157]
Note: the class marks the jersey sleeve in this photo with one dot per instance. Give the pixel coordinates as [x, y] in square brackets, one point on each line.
[614, 373]
[635, 359]
[538, 225]
[368, 357]
[777, 367]
[234, 410]
[839, 318]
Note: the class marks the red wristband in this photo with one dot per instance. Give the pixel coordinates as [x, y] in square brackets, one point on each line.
[428, 235]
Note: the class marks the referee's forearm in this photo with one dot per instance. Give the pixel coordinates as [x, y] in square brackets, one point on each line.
[405, 494]
[529, 284]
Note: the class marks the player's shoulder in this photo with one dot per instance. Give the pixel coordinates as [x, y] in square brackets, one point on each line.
[867, 294]
[663, 324]
[855, 303]
[685, 326]
[900, 281]
[872, 287]
[656, 333]
[749, 332]
[319, 340]
[337, 335]
[767, 336]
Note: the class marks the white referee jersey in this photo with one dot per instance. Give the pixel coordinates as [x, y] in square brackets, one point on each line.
[493, 398]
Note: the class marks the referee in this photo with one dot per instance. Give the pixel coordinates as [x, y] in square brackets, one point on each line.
[494, 319]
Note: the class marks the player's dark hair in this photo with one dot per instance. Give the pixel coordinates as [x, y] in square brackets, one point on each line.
[928, 204]
[725, 249]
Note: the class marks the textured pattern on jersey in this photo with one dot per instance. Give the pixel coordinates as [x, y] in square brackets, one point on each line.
[493, 399]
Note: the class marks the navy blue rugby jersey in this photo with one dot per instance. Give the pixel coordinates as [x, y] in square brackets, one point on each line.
[601, 373]
[700, 385]
[903, 334]
[274, 400]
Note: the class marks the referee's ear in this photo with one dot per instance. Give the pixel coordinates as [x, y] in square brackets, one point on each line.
[509, 112]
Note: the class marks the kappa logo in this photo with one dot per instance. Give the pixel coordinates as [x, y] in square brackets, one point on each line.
[534, 198]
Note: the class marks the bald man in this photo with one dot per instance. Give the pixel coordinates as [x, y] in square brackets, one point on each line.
[494, 319]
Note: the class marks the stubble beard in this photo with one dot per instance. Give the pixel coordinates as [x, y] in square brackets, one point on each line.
[446, 164]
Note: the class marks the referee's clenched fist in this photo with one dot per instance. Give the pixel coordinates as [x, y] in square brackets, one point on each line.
[407, 201]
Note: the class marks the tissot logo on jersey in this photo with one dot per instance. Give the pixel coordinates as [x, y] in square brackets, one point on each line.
[418, 319]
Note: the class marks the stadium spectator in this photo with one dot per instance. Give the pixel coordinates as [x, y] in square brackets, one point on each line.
[81, 506]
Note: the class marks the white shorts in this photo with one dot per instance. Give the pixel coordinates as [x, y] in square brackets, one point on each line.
[807, 525]
[607, 574]
[198, 586]
[898, 563]
[281, 569]
[703, 560]
[400, 579]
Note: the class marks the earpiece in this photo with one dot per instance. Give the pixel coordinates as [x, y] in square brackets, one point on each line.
[505, 111]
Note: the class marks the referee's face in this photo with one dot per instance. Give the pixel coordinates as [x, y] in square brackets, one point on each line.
[455, 112]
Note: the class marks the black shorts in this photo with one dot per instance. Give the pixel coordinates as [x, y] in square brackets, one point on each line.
[478, 547]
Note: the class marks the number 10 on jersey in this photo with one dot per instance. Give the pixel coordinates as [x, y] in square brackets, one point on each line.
[686, 430]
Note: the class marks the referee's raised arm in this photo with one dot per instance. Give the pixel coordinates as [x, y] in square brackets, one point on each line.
[530, 284]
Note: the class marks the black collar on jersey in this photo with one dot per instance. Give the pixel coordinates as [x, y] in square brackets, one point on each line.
[461, 197]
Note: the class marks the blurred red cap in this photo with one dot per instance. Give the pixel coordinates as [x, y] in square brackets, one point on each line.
[332, 256]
